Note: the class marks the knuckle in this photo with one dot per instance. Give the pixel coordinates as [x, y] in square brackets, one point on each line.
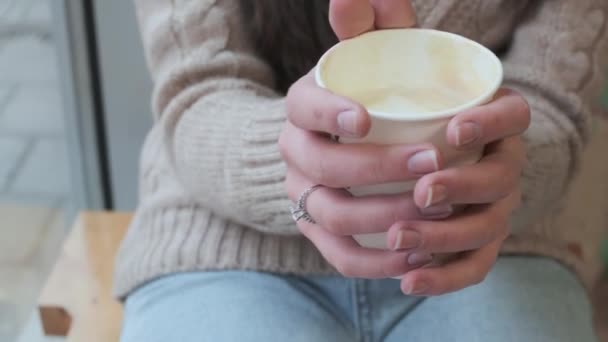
[492, 219]
[393, 266]
[479, 278]
[346, 268]
[489, 233]
[441, 292]
[334, 223]
[386, 270]
[508, 182]
[374, 172]
[504, 232]
[441, 239]
[441, 287]
[497, 183]
[291, 101]
[377, 168]
[320, 172]
[520, 145]
[305, 229]
[294, 90]
[503, 193]
[400, 209]
[523, 108]
[318, 114]
[323, 172]
[494, 120]
[521, 154]
[517, 198]
[476, 276]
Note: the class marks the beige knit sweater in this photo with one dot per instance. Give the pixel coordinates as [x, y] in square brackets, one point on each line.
[212, 194]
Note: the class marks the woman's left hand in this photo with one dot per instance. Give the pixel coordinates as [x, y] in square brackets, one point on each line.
[490, 189]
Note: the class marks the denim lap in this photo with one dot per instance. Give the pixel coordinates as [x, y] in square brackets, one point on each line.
[229, 306]
[522, 299]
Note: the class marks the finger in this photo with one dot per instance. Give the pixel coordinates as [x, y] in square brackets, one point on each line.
[393, 14]
[493, 178]
[354, 261]
[470, 269]
[507, 115]
[336, 165]
[350, 18]
[337, 211]
[470, 230]
[313, 108]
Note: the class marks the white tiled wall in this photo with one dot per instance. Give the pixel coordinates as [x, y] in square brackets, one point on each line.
[34, 173]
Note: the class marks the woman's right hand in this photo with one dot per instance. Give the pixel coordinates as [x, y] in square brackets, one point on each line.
[313, 158]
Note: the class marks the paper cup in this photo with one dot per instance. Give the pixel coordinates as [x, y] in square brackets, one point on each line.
[412, 82]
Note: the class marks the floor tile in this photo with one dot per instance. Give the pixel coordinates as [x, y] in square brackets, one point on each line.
[19, 288]
[40, 236]
[11, 152]
[34, 110]
[26, 259]
[23, 231]
[33, 164]
[43, 263]
[43, 258]
[45, 170]
[9, 325]
[32, 331]
[28, 59]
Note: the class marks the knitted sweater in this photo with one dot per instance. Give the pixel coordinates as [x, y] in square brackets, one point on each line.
[212, 192]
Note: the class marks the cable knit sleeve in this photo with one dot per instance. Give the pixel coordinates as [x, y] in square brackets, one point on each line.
[219, 115]
[558, 60]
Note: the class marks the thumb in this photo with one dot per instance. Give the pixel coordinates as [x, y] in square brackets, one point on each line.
[350, 18]
[393, 14]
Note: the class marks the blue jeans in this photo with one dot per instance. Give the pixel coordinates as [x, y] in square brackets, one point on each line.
[522, 299]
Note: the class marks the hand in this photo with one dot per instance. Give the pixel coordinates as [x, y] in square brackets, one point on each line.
[491, 186]
[350, 18]
[312, 158]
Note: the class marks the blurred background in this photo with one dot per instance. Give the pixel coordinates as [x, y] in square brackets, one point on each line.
[74, 110]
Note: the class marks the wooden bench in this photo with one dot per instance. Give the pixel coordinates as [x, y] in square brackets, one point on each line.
[76, 301]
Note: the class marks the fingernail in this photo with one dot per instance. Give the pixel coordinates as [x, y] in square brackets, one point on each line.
[423, 162]
[438, 210]
[435, 194]
[347, 122]
[416, 259]
[467, 133]
[407, 239]
[417, 288]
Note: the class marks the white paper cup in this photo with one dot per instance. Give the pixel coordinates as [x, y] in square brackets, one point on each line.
[412, 82]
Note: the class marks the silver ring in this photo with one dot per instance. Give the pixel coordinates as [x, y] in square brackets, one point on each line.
[298, 209]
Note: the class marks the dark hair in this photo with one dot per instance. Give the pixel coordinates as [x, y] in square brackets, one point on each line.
[291, 35]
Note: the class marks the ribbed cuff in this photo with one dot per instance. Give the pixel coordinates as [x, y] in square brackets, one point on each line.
[554, 143]
[226, 155]
[165, 241]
